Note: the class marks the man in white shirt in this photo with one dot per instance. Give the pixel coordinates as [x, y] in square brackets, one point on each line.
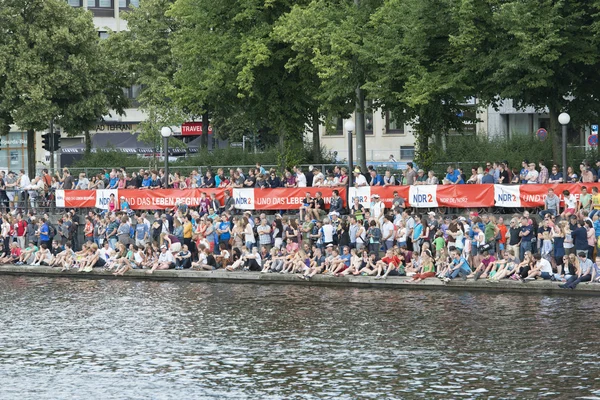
[318, 178]
[377, 209]
[542, 268]
[387, 233]
[165, 260]
[532, 174]
[359, 179]
[300, 177]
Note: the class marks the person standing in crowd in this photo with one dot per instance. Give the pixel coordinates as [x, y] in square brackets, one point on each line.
[410, 175]
[551, 204]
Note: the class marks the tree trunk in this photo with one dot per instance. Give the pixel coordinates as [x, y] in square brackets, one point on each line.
[316, 139]
[88, 144]
[555, 135]
[204, 139]
[31, 153]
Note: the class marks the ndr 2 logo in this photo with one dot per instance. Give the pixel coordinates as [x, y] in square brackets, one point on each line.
[243, 201]
[422, 198]
[508, 197]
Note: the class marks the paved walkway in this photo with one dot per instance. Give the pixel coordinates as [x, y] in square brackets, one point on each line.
[539, 287]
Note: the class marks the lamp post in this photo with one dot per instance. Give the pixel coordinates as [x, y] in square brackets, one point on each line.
[349, 126]
[166, 134]
[564, 120]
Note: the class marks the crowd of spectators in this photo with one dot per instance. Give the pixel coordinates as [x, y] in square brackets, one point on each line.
[374, 241]
[296, 177]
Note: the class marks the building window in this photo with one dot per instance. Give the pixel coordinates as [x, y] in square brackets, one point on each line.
[132, 94]
[103, 35]
[334, 126]
[407, 152]
[369, 117]
[100, 3]
[392, 125]
[13, 155]
[75, 3]
[469, 122]
[129, 3]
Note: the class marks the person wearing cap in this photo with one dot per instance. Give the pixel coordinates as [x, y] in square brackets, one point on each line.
[359, 179]
[165, 260]
[377, 209]
[421, 178]
[124, 204]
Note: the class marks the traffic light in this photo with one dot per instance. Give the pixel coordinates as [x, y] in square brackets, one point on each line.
[56, 141]
[46, 139]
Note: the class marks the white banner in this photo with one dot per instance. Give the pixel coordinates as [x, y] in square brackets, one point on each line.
[60, 198]
[364, 196]
[507, 195]
[423, 196]
[103, 198]
[244, 198]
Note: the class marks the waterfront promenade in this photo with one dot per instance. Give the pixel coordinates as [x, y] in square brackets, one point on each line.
[539, 287]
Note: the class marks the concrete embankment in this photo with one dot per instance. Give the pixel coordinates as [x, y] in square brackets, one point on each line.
[538, 287]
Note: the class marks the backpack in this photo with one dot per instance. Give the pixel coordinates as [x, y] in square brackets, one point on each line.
[131, 232]
[51, 231]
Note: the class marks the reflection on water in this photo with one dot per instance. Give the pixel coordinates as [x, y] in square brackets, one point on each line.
[99, 339]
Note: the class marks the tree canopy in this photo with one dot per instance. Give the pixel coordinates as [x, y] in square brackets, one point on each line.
[53, 68]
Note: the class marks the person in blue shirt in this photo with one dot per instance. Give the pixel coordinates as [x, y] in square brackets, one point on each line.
[124, 204]
[417, 232]
[460, 267]
[488, 178]
[147, 181]
[524, 172]
[45, 233]
[526, 234]
[224, 230]
[376, 179]
[496, 172]
[453, 176]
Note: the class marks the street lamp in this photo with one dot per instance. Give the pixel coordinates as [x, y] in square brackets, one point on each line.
[166, 134]
[564, 120]
[349, 126]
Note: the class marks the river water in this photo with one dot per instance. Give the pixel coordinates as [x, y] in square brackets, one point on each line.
[100, 339]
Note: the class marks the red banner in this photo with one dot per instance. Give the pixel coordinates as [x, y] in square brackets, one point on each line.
[292, 198]
[193, 129]
[425, 196]
[386, 193]
[79, 198]
[535, 195]
[154, 199]
[465, 196]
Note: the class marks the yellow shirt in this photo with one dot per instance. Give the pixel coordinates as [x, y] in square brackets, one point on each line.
[596, 201]
[187, 230]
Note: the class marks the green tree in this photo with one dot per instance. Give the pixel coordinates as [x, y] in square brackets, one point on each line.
[143, 53]
[52, 68]
[229, 59]
[415, 74]
[542, 54]
[329, 35]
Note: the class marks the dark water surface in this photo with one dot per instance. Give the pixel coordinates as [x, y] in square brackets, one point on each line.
[89, 339]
